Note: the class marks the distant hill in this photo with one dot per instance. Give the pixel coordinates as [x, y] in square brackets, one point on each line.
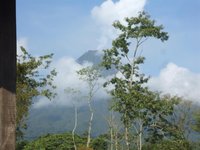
[60, 119]
[95, 57]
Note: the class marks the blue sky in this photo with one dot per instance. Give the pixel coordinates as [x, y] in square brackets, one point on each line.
[65, 27]
[181, 19]
[68, 28]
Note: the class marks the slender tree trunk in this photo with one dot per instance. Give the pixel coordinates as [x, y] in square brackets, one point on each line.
[140, 141]
[75, 125]
[90, 124]
[127, 132]
[113, 131]
[140, 136]
[110, 123]
[127, 138]
[111, 138]
[7, 74]
[116, 140]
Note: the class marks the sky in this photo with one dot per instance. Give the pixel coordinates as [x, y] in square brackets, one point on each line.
[69, 28]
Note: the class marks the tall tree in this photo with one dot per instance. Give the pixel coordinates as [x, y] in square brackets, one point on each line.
[90, 75]
[114, 129]
[157, 121]
[33, 80]
[196, 124]
[75, 95]
[131, 97]
[7, 74]
[183, 119]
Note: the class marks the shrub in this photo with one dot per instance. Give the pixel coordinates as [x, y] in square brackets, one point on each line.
[55, 141]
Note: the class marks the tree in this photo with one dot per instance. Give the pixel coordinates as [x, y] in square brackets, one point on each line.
[54, 142]
[196, 124]
[130, 95]
[33, 80]
[73, 94]
[100, 143]
[158, 123]
[115, 126]
[183, 119]
[90, 75]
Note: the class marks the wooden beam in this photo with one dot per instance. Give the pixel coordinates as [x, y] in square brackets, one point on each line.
[7, 121]
[7, 74]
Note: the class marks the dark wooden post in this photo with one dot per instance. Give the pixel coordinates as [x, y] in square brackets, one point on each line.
[7, 74]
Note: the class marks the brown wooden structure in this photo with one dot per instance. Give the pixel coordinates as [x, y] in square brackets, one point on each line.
[7, 74]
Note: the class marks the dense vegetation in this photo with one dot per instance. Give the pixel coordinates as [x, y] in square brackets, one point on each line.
[31, 83]
[64, 142]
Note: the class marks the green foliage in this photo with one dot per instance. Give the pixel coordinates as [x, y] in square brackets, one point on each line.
[129, 93]
[182, 119]
[138, 30]
[195, 145]
[65, 142]
[100, 143]
[21, 144]
[83, 147]
[56, 141]
[196, 125]
[33, 79]
[132, 99]
[155, 117]
[90, 75]
[169, 145]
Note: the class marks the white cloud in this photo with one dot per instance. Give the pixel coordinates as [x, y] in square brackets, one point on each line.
[67, 77]
[177, 81]
[110, 11]
[172, 79]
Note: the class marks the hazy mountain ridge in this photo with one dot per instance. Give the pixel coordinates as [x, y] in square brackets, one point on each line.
[95, 57]
[59, 119]
[92, 56]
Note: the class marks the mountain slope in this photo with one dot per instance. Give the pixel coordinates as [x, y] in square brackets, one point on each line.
[59, 119]
[92, 56]
[95, 57]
